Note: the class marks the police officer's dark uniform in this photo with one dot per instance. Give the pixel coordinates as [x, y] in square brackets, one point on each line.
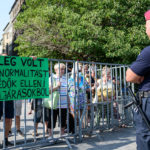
[141, 67]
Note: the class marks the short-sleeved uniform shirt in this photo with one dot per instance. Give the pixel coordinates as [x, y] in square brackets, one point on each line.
[142, 68]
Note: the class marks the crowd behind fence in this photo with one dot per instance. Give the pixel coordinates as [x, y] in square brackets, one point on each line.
[85, 97]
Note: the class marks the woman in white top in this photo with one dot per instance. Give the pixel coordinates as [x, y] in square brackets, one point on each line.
[105, 86]
[62, 103]
[105, 93]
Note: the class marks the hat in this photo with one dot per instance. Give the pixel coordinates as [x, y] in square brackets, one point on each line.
[147, 15]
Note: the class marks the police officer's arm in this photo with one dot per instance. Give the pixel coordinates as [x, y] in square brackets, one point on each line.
[133, 77]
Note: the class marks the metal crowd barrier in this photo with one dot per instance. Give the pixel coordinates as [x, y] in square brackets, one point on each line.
[95, 115]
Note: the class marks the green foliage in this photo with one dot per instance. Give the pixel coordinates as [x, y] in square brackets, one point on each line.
[105, 30]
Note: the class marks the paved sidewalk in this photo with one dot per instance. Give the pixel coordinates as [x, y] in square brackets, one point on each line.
[120, 139]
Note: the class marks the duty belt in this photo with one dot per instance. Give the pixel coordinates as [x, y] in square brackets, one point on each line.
[143, 94]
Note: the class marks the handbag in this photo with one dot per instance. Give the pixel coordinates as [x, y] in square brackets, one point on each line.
[49, 102]
[106, 92]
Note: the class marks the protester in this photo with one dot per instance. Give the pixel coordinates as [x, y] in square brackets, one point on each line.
[62, 102]
[18, 104]
[90, 93]
[85, 72]
[37, 107]
[77, 86]
[9, 115]
[105, 93]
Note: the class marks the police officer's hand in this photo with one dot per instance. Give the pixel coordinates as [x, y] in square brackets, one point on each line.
[141, 79]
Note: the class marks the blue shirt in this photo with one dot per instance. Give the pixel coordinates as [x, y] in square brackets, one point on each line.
[142, 68]
[83, 86]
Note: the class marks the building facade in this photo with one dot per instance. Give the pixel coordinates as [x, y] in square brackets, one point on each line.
[1, 48]
[7, 39]
[9, 35]
[15, 9]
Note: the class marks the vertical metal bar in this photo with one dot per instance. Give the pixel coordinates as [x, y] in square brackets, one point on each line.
[116, 80]
[112, 96]
[108, 117]
[85, 79]
[125, 96]
[4, 129]
[34, 120]
[120, 90]
[25, 136]
[51, 70]
[59, 102]
[116, 85]
[125, 92]
[75, 98]
[96, 90]
[90, 105]
[120, 81]
[67, 99]
[15, 122]
[79, 105]
[102, 100]
[133, 89]
[85, 109]
[77, 73]
[43, 114]
[121, 95]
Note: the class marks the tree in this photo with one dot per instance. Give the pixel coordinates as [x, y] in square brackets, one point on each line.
[104, 31]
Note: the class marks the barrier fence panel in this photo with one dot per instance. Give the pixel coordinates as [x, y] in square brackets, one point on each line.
[84, 97]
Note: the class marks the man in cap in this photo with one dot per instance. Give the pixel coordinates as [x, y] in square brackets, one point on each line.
[139, 72]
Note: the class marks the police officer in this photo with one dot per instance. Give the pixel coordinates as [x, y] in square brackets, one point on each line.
[139, 72]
